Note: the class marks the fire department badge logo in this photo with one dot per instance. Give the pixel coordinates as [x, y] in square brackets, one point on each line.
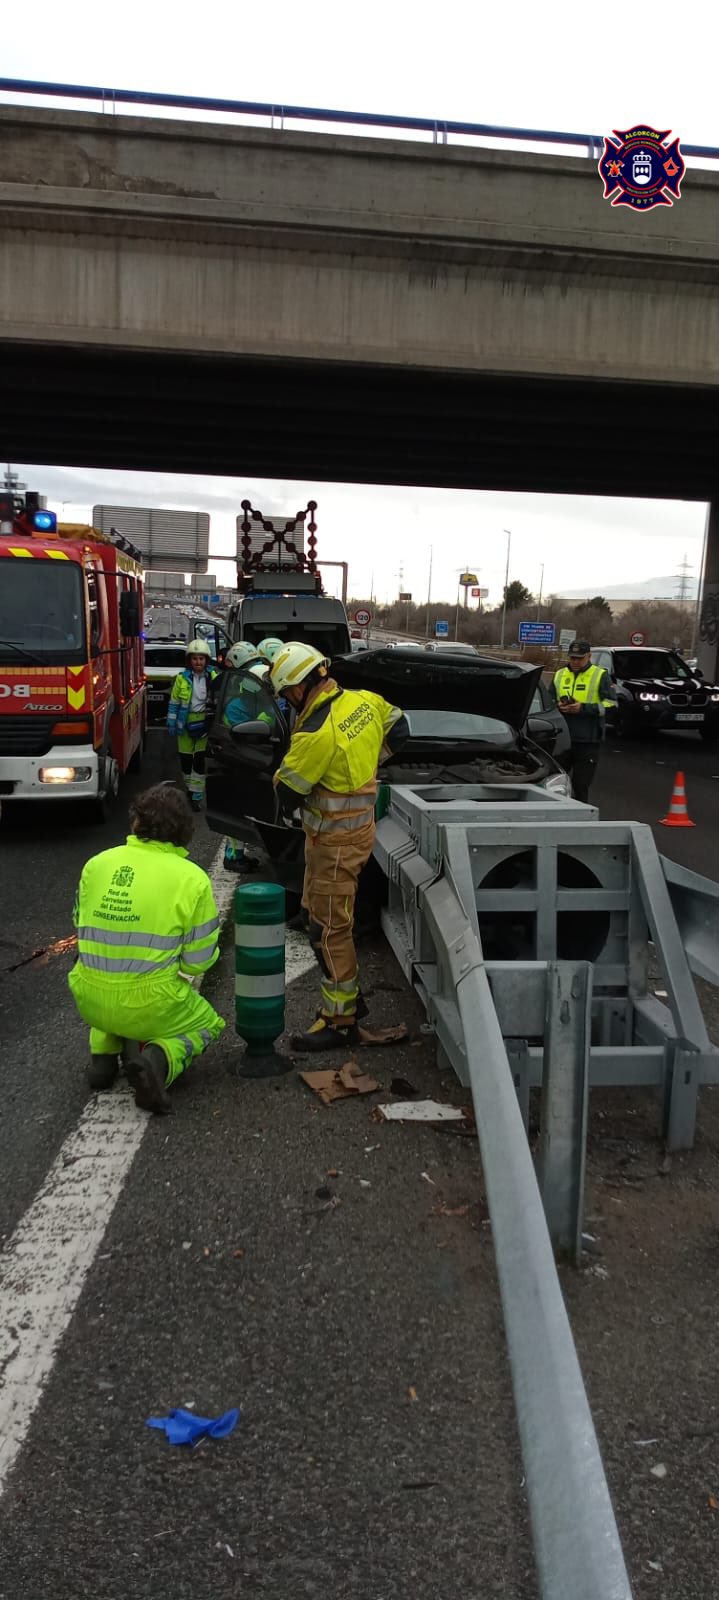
[641, 169]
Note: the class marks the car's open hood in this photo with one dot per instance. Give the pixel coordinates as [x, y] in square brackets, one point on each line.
[424, 682]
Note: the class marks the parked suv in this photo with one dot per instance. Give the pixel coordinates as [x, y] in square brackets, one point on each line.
[657, 689]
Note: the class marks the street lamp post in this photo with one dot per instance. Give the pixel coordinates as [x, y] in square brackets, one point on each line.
[468, 567]
[506, 586]
[429, 591]
[541, 586]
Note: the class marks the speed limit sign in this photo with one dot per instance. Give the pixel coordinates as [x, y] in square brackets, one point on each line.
[638, 638]
[363, 618]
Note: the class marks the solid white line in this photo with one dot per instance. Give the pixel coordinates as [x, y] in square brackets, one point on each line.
[45, 1264]
[223, 883]
[298, 953]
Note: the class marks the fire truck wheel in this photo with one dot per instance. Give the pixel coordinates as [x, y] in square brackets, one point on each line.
[104, 804]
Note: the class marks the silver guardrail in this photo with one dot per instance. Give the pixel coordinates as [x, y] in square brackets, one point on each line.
[490, 889]
[695, 902]
[576, 1540]
[440, 128]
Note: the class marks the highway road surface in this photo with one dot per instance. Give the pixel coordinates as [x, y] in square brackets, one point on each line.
[332, 1278]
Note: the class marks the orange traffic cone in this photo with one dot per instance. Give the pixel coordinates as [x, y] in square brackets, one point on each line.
[678, 815]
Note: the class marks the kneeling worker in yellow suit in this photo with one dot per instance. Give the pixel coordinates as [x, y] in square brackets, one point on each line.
[330, 770]
[144, 914]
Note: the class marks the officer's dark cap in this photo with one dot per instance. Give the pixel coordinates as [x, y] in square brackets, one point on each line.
[581, 647]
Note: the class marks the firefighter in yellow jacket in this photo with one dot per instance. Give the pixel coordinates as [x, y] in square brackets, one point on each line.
[330, 770]
[145, 914]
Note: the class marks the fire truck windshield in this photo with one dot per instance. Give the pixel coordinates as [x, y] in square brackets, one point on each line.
[41, 610]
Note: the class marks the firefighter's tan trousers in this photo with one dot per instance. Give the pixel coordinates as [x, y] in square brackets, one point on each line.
[333, 862]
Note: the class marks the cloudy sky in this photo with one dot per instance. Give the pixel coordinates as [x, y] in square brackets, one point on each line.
[383, 532]
[561, 66]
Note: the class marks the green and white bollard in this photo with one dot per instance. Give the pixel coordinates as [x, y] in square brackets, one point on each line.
[260, 976]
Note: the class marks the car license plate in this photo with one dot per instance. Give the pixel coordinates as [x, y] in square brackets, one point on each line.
[155, 694]
[690, 716]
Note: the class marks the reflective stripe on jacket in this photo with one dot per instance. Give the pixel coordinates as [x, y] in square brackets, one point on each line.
[143, 908]
[334, 754]
[179, 716]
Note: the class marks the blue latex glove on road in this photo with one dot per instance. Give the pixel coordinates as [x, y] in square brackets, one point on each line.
[183, 1427]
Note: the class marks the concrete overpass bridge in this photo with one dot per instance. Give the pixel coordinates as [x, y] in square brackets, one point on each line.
[199, 297]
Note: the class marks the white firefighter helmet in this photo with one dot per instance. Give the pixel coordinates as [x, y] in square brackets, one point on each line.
[270, 648]
[294, 664]
[240, 654]
[199, 647]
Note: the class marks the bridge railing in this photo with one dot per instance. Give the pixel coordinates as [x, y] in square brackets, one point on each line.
[439, 129]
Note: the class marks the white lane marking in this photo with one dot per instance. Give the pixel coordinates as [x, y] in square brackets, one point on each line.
[298, 953]
[45, 1264]
[299, 956]
[44, 1267]
[223, 883]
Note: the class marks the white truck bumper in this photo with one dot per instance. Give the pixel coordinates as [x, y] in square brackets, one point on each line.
[65, 772]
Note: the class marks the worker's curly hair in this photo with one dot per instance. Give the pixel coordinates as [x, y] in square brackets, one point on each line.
[163, 813]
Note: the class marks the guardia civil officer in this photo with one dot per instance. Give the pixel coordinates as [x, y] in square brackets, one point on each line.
[583, 692]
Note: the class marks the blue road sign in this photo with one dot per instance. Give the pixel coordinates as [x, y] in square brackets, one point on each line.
[205, 599]
[441, 630]
[537, 632]
[214, 599]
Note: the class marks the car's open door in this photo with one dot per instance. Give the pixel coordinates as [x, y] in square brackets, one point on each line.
[247, 740]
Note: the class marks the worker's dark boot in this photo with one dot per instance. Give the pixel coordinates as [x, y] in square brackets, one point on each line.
[325, 1035]
[146, 1071]
[240, 863]
[102, 1071]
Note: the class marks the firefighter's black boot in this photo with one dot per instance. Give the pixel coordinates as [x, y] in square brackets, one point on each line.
[326, 1035]
[146, 1071]
[102, 1071]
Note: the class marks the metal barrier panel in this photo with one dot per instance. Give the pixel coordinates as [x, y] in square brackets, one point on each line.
[579, 1555]
[538, 879]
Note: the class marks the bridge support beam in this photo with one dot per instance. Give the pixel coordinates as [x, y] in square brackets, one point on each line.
[708, 630]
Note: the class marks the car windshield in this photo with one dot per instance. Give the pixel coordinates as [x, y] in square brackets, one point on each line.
[456, 649]
[331, 639]
[169, 655]
[459, 725]
[41, 610]
[649, 664]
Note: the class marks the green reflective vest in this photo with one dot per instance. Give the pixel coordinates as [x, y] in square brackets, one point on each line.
[333, 756]
[143, 908]
[581, 686]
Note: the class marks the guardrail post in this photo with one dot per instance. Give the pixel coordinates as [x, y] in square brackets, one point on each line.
[681, 1089]
[518, 1056]
[565, 1096]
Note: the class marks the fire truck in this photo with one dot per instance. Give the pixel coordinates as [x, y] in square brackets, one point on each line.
[72, 680]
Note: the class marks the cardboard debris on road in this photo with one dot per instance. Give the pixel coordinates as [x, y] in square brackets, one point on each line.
[383, 1035]
[340, 1084]
[421, 1111]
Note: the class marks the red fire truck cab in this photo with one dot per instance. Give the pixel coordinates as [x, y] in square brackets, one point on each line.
[72, 681]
